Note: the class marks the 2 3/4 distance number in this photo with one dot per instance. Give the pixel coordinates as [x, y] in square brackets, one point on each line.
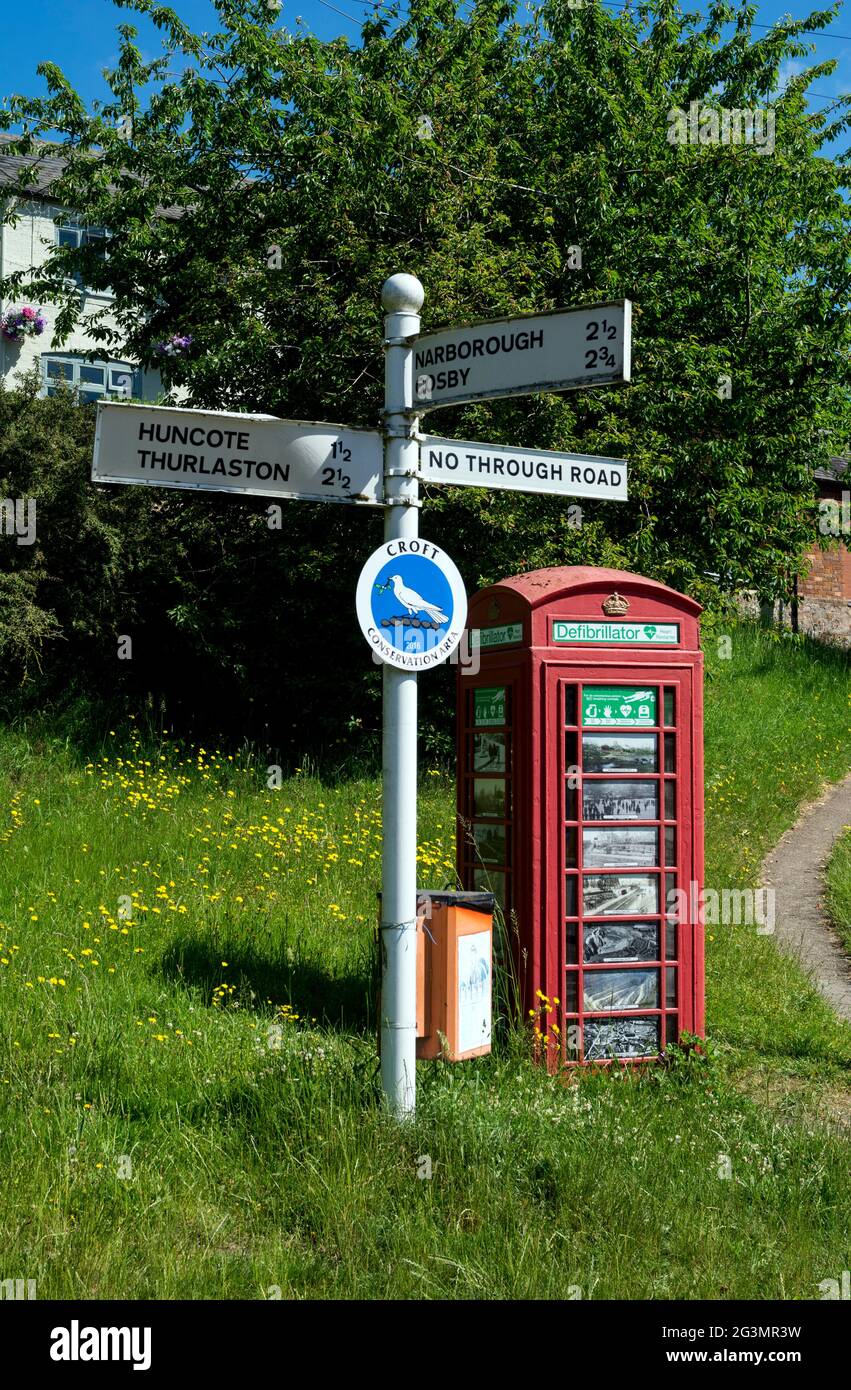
[600, 331]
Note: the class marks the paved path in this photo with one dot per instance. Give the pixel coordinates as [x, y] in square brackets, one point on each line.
[795, 868]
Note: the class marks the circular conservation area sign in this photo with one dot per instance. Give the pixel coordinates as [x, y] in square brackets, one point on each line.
[412, 605]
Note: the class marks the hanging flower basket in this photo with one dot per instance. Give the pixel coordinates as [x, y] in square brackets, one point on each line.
[176, 346]
[22, 323]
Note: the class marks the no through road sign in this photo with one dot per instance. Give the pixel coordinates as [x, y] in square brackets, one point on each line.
[465, 461]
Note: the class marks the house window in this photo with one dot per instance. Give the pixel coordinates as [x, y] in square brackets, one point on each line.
[74, 235]
[96, 381]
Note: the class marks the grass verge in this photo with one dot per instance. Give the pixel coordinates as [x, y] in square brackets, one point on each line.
[838, 880]
[188, 1084]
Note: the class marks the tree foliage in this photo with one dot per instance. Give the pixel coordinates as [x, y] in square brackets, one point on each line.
[474, 149]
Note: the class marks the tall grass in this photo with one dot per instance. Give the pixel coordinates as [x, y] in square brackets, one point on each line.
[839, 888]
[197, 1114]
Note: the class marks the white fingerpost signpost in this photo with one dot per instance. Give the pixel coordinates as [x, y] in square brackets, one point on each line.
[411, 602]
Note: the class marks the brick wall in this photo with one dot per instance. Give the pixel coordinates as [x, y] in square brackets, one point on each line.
[829, 575]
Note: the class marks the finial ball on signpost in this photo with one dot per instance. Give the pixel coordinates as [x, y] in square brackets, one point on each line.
[402, 294]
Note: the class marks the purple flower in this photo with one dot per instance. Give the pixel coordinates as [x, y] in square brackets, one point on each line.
[176, 344]
[19, 323]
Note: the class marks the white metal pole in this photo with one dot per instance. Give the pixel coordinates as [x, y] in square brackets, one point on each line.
[401, 299]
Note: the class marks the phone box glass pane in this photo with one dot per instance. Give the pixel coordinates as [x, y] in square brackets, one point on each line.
[620, 800]
[606, 705]
[570, 801]
[670, 752]
[616, 894]
[570, 895]
[620, 989]
[489, 752]
[604, 942]
[489, 705]
[572, 943]
[671, 987]
[489, 797]
[570, 704]
[570, 745]
[491, 881]
[670, 801]
[490, 843]
[621, 1037]
[670, 705]
[625, 847]
[570, 848]
[619, 753]
[571, 992]
[670, 844]
[671, 1028]
[672, 901]
[671, 940]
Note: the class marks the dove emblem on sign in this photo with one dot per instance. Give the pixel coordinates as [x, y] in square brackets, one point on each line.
[414, 603]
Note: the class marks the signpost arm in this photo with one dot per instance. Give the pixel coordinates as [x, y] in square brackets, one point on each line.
[401, 298]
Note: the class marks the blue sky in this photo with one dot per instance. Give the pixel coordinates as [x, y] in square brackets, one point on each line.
[81, 37]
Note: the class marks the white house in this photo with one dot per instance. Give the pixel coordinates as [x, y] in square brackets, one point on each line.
[24, 246]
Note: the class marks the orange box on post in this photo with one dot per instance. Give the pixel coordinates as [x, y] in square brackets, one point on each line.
[454, 974]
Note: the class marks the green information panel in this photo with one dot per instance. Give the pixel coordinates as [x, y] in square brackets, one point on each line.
[489, 705]
[604, 706]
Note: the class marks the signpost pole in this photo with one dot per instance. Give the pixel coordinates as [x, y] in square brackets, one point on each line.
[401, 298]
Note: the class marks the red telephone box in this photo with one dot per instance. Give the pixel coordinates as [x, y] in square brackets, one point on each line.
[580, 801]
